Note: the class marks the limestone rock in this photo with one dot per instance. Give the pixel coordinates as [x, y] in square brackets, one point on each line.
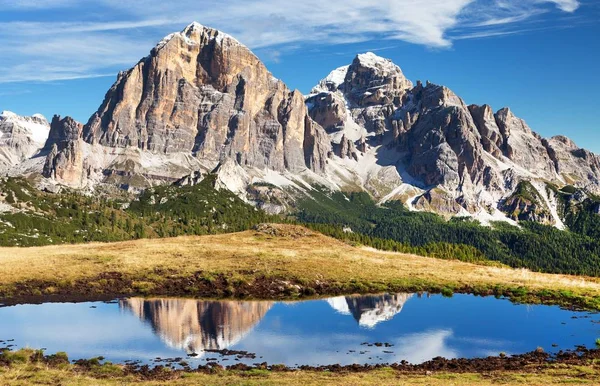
[527, 204]
[200, 91]
[20, 137]
[438, 201]
[491, 137]
[192, 179]
[576, 166]
[346, 149]
[372, 80]
[524, 147]
[65, 158]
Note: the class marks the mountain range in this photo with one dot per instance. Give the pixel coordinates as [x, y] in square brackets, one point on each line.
[202, 103]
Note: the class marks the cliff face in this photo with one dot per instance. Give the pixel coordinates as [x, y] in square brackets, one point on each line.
[200, 91]
[200, 97]
[64, 161]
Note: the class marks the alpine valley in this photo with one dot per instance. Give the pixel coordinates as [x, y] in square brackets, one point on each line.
[199, 137]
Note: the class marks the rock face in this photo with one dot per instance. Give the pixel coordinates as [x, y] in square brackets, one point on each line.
[194, 325]
[64, 161]
[527, 204]
[575, 165]
[200, 100]
[524, 147]
[202, 92]
[20, 137]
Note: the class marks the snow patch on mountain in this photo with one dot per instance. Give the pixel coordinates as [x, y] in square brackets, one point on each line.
[187, 36]
[36, 126]
[550, 202]
[371, 60]
[340, 305]
[331, 82]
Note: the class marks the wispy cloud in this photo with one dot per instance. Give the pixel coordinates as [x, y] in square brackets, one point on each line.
[102, 36]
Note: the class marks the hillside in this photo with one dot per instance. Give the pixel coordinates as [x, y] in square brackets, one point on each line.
[276, 261]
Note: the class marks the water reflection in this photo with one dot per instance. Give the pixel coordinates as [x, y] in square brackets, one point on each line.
[372, 309]
[194, 325]
[198, 325]
[312, 332]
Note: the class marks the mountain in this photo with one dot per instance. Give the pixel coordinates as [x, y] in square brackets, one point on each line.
[194, 325]
[21, 137]
[199, 99]
[202, 103]
[425, 146]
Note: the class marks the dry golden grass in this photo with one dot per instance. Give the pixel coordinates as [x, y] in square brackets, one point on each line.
[40, 374]
[302, 254]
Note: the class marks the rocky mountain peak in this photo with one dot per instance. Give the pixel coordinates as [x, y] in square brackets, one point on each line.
[566, 141]
[332, 82]
[63, 130]
[432, 95]
[35, 126]
[377, 65]
[203, 102]
[21, 137]
[203, 97]
[371, 79]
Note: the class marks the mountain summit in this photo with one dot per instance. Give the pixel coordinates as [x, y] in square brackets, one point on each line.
[198, 99]
[425, 146]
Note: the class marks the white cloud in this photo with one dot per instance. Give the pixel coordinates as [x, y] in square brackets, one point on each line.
[564, 5]
[111, 35]
[35, 4]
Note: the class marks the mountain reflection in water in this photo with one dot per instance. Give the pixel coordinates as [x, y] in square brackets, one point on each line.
[371, 309]
[196, 325]
[314, 332]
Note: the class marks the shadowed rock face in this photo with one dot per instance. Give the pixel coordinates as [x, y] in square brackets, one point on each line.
[370, 310]
[64, 161]
[576, 165]
[194, 325]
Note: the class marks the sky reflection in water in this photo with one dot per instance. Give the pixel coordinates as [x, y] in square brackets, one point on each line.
[314, 332]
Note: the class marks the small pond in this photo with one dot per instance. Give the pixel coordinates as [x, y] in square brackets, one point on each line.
[345, 330]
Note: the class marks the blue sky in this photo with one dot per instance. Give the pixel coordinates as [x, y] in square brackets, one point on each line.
[539, 57]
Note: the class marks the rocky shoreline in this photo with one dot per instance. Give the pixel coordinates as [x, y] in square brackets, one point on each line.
[531, 362]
